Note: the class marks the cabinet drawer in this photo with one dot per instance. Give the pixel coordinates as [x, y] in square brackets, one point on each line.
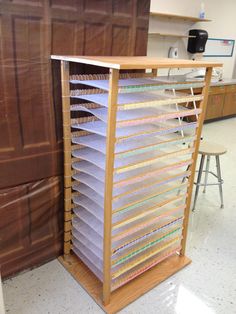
[217, 90]
[231, 88]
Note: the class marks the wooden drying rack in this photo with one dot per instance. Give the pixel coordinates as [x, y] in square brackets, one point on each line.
[112, 302]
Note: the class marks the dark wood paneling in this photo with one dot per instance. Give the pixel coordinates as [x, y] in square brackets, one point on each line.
[120, 46]
[8, 111]
[33, 151]
[64, 31]
[99, 31]
[97, 6]
[32, 30]
[143, 8]
[140, 42]
[31, 86]
[31, 224]
[5, 141]
[14, 222]
[123, 7]
[64, 4]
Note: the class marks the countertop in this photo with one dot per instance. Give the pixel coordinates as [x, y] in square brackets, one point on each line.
[225, 81]
[181, 78]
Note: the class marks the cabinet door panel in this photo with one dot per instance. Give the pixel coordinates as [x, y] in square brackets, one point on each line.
[215, 106]
[230, 104]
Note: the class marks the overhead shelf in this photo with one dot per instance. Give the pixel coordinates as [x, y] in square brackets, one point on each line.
[179, 17]
[170, 35]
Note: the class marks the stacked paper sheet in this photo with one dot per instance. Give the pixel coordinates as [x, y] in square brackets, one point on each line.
[153, 155]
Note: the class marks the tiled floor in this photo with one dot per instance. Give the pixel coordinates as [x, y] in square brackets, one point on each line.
[207, 286]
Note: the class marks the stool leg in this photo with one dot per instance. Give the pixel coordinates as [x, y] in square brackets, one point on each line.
[206, 173]
[198, 181]
[219, 180]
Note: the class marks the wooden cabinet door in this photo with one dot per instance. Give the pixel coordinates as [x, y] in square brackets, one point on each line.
[230, 101]
[215, 106]
[32, 30]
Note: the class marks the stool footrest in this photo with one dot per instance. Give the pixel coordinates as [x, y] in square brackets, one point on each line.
[202, 184]
[215, 175]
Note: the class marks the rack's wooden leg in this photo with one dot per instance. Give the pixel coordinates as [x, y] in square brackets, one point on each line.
[65, 88]
[110, 149]
[194, 157]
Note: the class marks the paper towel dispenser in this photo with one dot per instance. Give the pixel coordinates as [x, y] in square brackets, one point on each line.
[197, 40]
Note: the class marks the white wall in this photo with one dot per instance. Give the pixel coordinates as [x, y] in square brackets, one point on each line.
[223, 25]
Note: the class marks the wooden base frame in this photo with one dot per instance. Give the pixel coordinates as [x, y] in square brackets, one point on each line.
[131, 291]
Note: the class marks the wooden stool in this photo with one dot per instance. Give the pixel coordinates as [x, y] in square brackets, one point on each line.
[209, 149]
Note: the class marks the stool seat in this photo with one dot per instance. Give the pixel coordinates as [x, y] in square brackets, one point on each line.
[212, 149]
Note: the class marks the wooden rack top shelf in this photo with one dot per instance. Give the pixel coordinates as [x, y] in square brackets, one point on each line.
[137, 62]
[179, 17]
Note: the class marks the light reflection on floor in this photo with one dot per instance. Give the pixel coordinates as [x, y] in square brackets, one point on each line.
[187, 302]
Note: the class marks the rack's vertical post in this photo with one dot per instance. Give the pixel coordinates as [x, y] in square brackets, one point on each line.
[65, 89]
[110, 150]
[200, 121]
